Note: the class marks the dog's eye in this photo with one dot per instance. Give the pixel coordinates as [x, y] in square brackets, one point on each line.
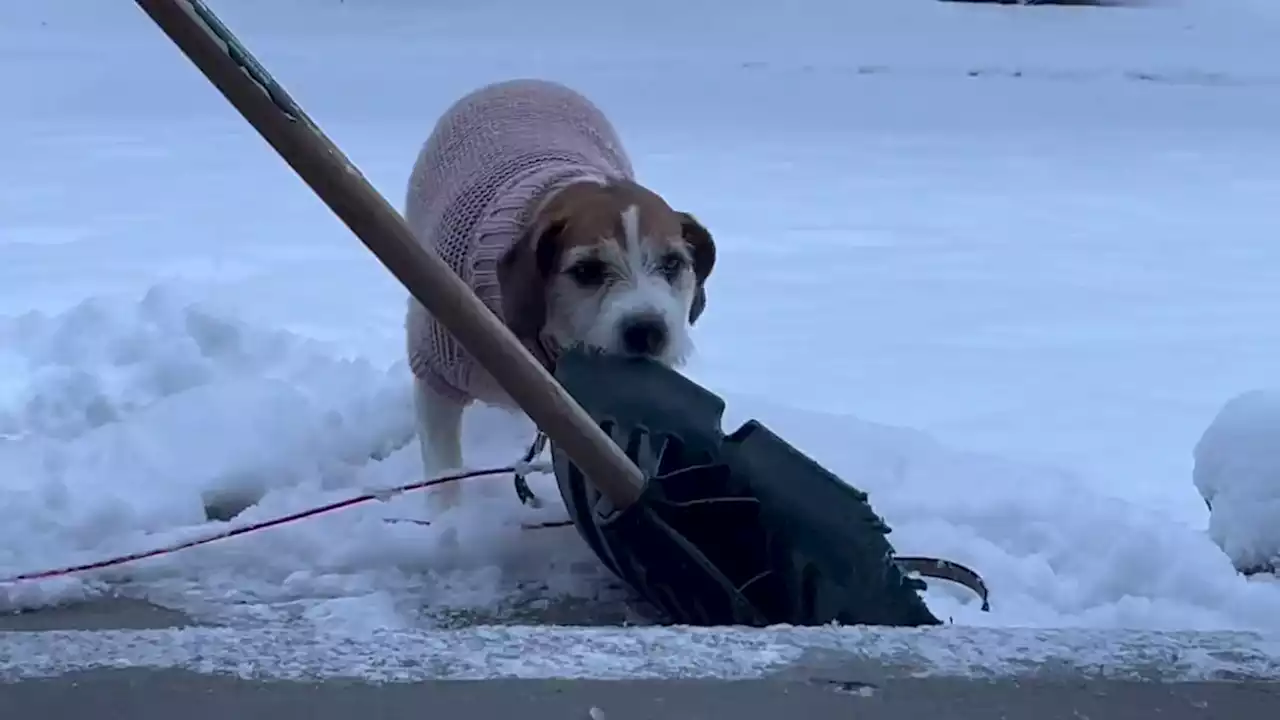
[671, 265]
[588, 273]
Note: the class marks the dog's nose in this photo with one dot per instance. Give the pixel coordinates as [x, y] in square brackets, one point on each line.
[644, 335]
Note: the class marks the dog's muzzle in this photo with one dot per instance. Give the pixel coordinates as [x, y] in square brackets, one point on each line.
[645, 335]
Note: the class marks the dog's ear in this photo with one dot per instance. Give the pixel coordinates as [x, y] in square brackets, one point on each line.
[703, 248]
[522, 275]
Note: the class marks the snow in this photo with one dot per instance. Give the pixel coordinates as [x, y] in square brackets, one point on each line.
[656, 653]
[1000, 267]
[1237, 471]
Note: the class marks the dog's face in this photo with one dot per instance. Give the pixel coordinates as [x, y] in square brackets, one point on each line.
[612, 267]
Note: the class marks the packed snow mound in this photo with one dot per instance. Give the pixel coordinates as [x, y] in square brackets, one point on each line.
[122, 421]
[121, 417]
[1237, 471]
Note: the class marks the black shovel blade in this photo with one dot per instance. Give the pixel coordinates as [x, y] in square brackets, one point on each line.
[730, 530]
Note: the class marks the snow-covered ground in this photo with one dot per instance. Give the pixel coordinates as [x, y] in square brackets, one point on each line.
[998, 266]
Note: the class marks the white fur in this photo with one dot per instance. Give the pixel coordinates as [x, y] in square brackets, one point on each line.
[577, 315]
[439, 426]
[595, 316]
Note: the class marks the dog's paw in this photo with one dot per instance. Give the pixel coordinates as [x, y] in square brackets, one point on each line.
[443, 498]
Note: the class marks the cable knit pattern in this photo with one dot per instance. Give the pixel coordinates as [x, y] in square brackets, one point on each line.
[491, 159]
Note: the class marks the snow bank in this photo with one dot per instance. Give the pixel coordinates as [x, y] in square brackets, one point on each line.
[120, 421]
[1237, 471]
[122, 418]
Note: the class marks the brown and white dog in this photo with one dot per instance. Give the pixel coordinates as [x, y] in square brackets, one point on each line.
[524, 189]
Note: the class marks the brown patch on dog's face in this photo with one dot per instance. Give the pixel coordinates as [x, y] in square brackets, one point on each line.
[611, 266]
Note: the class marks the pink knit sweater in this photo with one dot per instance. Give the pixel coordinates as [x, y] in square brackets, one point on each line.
[491, 157]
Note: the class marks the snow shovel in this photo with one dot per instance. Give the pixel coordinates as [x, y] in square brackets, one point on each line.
[731, 529]
[713, 529]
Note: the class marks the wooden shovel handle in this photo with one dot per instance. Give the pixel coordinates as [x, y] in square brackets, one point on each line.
[245, 83]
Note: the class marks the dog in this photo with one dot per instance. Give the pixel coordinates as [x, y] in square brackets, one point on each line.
[524, 189]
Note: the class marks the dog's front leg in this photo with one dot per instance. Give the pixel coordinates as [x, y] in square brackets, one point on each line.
[439, 423]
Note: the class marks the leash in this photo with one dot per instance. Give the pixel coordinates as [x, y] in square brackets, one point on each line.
[522, 486]
[520, 469]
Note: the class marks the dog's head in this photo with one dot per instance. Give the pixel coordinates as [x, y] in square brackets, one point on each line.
[610, 266]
